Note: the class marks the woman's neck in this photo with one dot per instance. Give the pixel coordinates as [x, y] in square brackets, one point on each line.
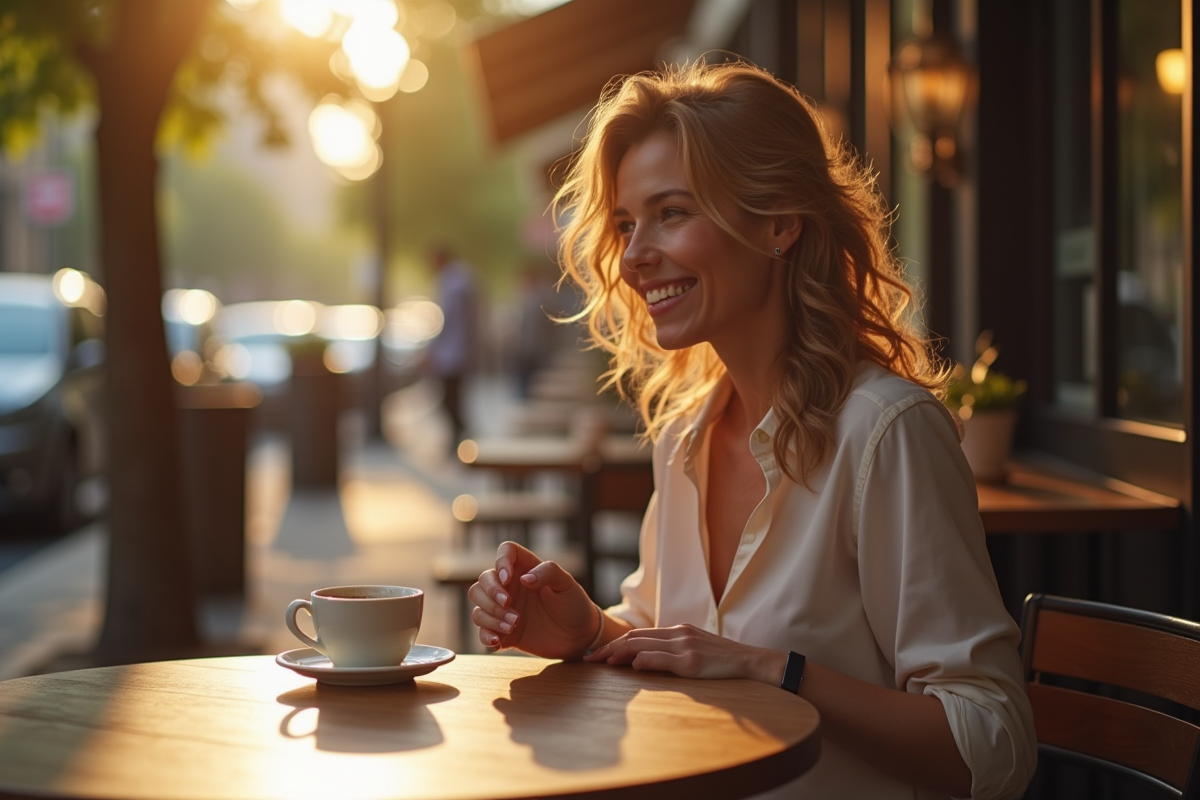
[750, 399]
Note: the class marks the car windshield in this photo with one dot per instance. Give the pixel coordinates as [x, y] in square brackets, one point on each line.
[25, 330]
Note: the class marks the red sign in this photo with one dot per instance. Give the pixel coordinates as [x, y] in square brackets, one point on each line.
[50, 197]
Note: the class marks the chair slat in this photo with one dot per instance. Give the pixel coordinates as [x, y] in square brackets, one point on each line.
[1133, 657]
[1115, 731]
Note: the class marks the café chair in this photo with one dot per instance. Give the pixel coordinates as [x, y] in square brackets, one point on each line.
[487, 519]
[1115, 689]
[484, 521]
[458, 569]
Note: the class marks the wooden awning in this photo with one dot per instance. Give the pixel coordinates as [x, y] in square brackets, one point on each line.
[540, 69]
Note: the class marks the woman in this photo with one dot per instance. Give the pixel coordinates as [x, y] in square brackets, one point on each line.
[811, 495]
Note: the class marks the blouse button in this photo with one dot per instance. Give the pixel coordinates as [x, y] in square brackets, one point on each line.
[748, 538]
[762, 436]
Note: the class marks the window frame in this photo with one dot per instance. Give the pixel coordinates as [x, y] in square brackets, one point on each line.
[1156, 457]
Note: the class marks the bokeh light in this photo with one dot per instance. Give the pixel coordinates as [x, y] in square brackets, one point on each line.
[187, 368]
[1171, 68]
[313, 18]
[343, 136]
[356, 322]
[296, 317]
[414, 77]
[464, 508]
[69, 286]
[193, 306]
[412, 322]
[379, 13]
[377, 54]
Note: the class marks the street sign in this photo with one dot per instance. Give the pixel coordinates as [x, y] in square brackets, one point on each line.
[50, 198]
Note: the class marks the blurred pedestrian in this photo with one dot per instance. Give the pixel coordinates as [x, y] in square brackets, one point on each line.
[453, 354]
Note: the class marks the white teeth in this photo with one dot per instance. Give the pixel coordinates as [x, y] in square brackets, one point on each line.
[674, 290]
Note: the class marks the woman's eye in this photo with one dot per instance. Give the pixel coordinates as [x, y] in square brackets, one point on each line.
[672, 211]
[624, 228]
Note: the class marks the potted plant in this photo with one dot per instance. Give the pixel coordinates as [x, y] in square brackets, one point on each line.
[985, 402]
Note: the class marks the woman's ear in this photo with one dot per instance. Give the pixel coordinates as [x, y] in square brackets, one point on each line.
[786, 230]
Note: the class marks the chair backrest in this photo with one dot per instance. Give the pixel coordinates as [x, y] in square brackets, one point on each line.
[1102, 649]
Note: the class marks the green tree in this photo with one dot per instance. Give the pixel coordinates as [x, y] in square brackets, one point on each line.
[148, 68]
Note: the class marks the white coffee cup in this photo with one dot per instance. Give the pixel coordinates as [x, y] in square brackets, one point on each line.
[361, 626]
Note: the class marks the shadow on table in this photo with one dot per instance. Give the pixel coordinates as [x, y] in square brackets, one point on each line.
[574, 715]
[345, 720]
[585, 727]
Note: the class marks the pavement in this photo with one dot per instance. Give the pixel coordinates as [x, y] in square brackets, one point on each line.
[383, 523]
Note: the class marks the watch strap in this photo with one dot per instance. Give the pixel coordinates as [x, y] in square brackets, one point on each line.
[793, 673]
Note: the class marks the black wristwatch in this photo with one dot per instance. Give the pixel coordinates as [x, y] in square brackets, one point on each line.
[793, 673]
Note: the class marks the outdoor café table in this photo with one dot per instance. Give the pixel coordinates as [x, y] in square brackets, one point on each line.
[519, 456]
[481, 726]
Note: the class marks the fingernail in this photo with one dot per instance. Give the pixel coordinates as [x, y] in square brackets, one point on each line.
[528, 579]
[501, 598]
[510, 618]
[504, 626]
[504, 576]
[493, 640]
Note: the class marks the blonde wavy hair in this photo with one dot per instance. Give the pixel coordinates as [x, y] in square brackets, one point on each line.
[744, 134]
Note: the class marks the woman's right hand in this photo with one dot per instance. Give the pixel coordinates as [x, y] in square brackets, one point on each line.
[532, 605]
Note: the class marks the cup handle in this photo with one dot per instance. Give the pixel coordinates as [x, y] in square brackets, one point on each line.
[290, 618]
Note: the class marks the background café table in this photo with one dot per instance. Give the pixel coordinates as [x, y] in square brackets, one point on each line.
[488, 726]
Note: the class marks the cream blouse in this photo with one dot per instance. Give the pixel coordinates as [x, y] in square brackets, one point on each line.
[878, 570]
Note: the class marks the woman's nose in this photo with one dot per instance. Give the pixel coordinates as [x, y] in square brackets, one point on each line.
[640, 251]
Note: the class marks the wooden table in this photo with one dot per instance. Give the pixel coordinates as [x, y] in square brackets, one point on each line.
[489, 726]
[522, 455]
[1040, 497]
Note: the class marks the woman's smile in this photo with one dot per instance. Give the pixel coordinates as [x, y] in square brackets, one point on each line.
[661, 298]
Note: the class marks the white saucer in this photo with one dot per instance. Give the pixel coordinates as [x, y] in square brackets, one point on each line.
[421, 659]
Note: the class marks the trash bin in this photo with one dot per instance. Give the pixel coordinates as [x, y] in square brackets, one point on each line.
[315, 406]
[214, 426]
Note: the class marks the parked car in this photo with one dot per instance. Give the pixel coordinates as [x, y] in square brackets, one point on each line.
[259, 338]
[52, 439]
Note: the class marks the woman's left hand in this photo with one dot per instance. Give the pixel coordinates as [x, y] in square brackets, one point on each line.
[691, 652]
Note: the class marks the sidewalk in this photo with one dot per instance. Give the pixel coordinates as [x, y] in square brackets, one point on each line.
[383, 524]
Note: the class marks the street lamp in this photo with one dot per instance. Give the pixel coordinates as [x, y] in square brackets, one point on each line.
[931, 86]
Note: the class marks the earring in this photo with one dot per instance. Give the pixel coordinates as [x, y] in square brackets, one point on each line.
[777, 251]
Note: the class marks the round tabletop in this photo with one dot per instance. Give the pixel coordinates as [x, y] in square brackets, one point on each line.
[489, 726]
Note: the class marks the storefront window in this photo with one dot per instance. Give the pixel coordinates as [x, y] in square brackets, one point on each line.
[1150, 88]
[1131, 98]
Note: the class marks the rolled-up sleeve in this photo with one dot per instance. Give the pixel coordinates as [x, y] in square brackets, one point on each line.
[930, 594]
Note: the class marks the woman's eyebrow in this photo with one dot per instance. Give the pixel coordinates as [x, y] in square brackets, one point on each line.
[655, 199]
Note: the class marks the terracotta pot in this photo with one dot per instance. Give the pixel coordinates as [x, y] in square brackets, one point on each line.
[987, 441]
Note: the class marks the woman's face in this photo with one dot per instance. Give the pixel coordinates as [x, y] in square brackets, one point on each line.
[700, 284]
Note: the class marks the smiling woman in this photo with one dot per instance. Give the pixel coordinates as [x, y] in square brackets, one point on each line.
[814, 524]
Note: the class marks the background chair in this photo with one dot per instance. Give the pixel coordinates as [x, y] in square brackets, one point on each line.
[1115, 689]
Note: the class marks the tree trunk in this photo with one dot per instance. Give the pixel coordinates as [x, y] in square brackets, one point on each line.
[151, 602]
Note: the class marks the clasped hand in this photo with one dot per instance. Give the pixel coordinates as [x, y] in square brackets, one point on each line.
[537, 607]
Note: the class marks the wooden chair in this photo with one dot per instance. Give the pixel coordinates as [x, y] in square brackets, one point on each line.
[484, 520]
[1115, 689]
[611, 486]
